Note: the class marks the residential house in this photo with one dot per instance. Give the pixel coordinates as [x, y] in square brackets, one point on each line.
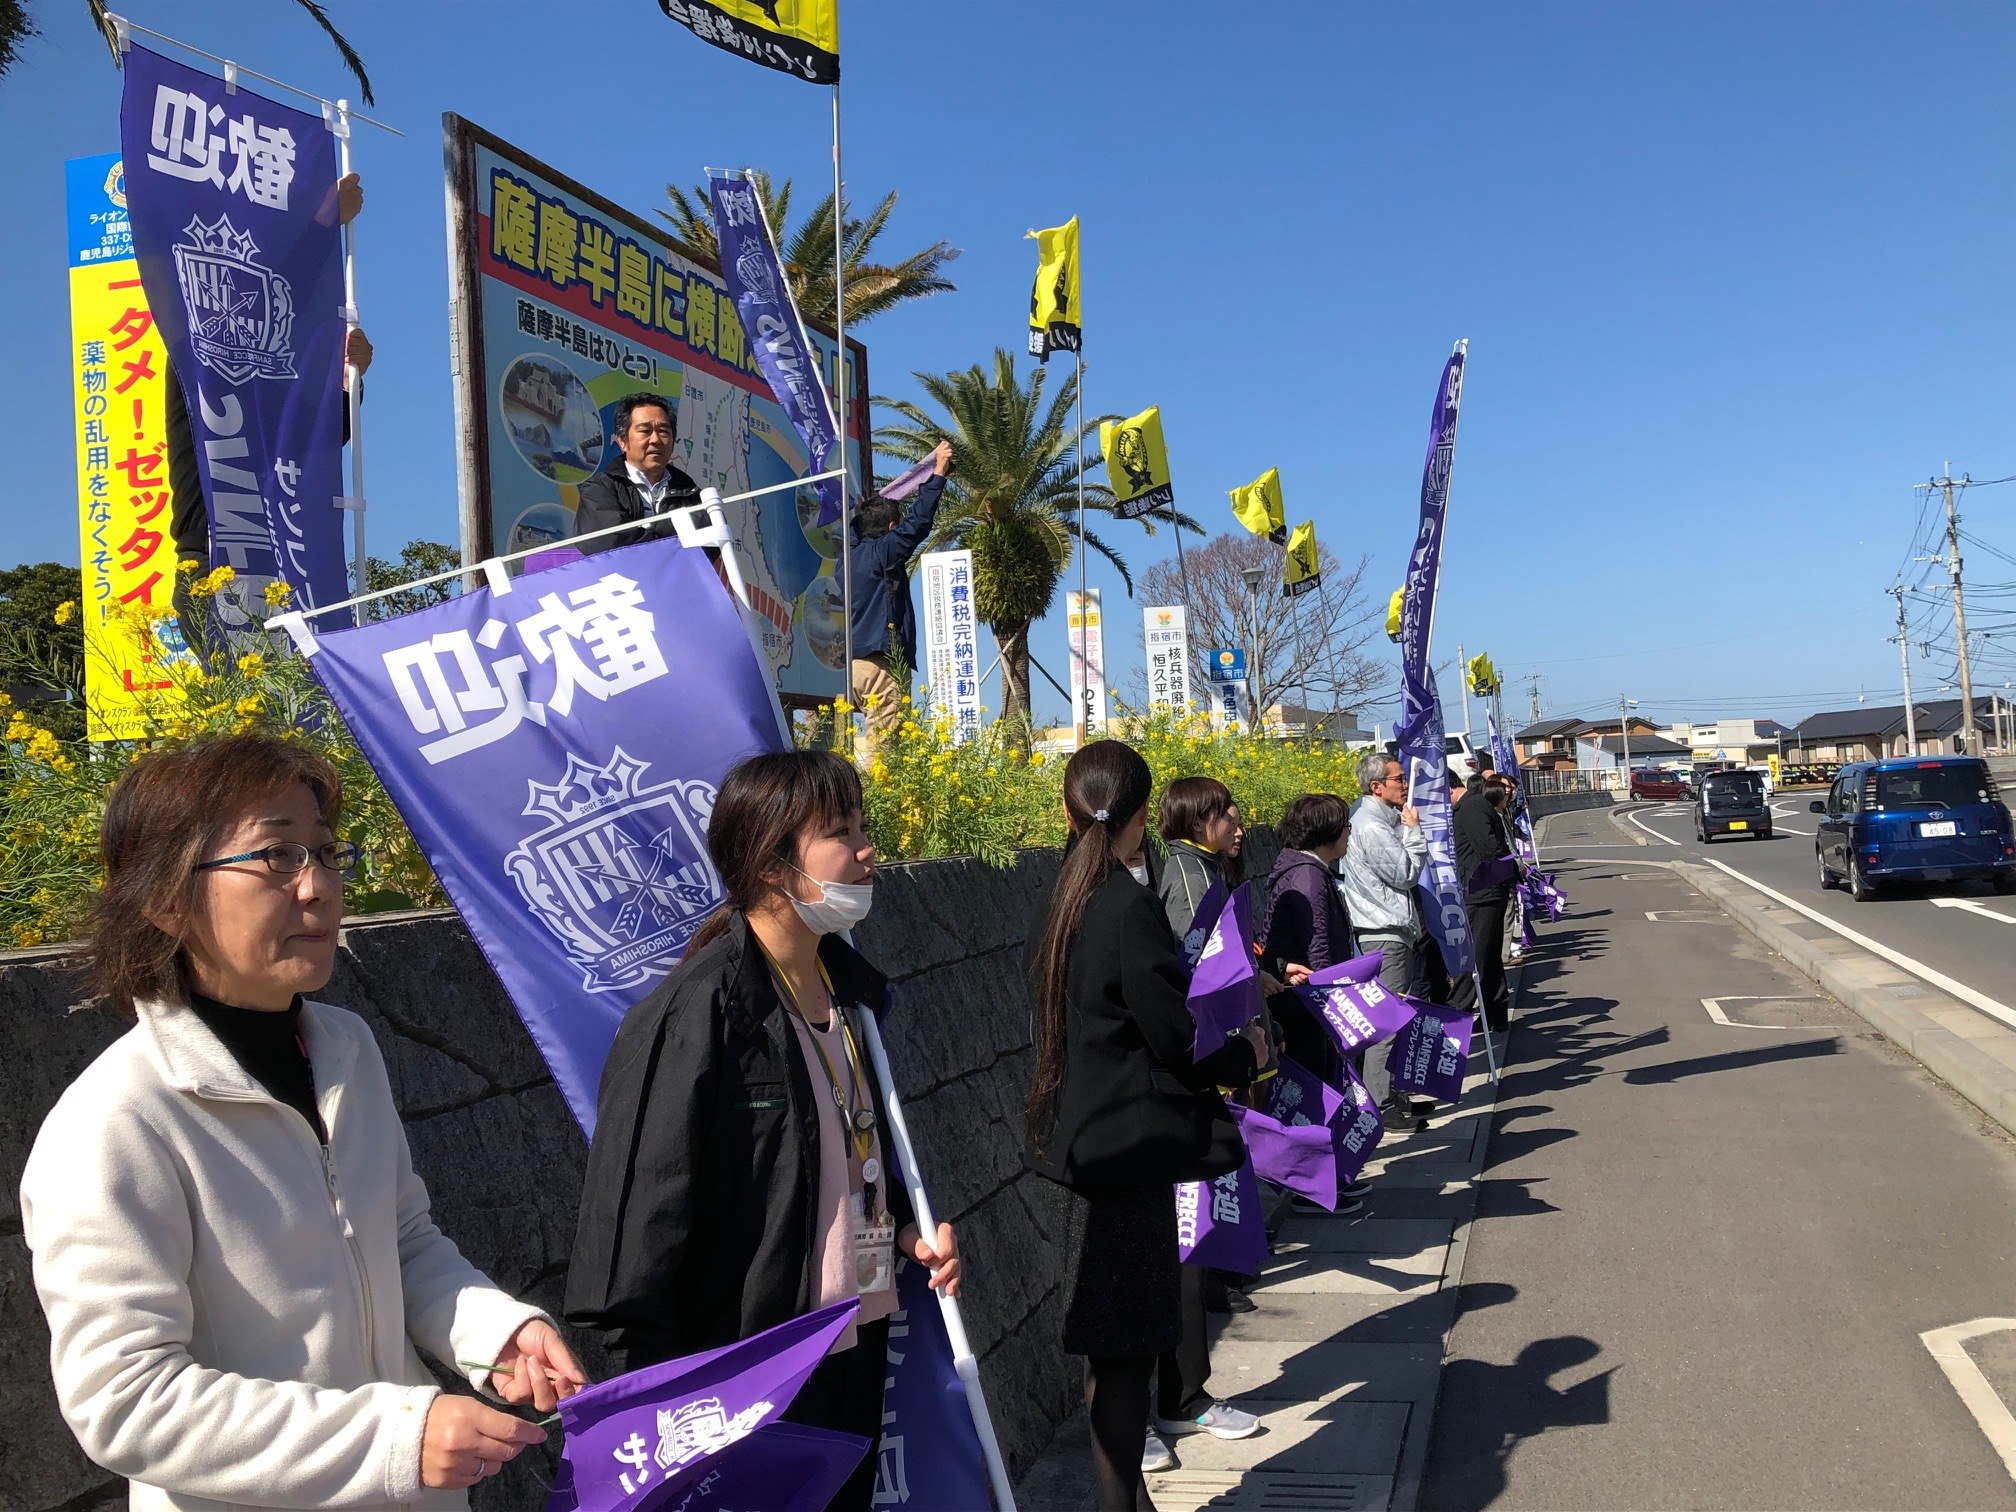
[1605, 753]
[1869, 732]
[1552, 743]
[1746, 742]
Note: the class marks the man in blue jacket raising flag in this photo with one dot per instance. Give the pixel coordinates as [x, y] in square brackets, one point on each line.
[879, 549]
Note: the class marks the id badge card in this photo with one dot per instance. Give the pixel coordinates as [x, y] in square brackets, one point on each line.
[874, 1248]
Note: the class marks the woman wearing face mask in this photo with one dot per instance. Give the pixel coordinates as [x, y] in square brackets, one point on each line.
[1119, 1111]
[739, 1176]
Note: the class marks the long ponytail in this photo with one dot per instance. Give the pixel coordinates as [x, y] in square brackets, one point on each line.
[1105, 785]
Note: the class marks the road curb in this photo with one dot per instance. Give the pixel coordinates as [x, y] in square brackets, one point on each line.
[1890, 999]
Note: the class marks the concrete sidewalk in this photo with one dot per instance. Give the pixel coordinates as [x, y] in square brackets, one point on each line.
[1343, 1355]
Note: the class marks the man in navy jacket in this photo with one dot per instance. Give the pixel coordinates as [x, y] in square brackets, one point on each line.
[885, 623]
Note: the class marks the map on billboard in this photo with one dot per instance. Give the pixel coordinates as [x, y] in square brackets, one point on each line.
[566, 304]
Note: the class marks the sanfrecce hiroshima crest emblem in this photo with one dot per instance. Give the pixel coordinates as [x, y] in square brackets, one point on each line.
[620, 872]
[241, 313]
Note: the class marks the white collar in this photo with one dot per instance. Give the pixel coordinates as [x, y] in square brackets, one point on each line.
[637, 476]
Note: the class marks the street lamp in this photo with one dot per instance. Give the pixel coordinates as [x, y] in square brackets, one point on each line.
[1255, 576]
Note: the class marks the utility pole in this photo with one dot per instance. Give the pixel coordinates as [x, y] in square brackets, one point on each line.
[1463, 681]
[1624, 729]
[1533, 697]
[1968, 732]
[1904, 654]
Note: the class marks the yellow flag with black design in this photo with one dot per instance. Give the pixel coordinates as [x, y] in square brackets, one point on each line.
[1393, 607]
[1483, 676]
[1301, 568]
[1258, 506]
[797, 37]
[1053, 304]
[1137, 464]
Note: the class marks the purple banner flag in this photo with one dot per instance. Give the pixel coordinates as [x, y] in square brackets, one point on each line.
[1432, 1053]
[233, 203]
[1420, 735]
[644, 1438]
[1220, 1223]
[1301, 1157]
[531, 739]
[1362, 1128]
[929, 1454]
[908, 481]
[1357, 1014]
[1225, 986]
[762, 296]
[1503, 757]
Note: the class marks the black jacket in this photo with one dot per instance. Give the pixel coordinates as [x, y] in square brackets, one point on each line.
[884, 617]
[1480, 837]
[698, 1206]
[610, 498]
[1134, 1108]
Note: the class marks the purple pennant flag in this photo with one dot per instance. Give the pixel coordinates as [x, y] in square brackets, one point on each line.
[906, 483]
[1432, 1052]
[1301, 1157]
[1361, 1128]
[1357, 1013]
[1225, 987]
[1543, 896]
[1220, 1222]
[1358, 969]
[638, 1440]
[1298, 1097]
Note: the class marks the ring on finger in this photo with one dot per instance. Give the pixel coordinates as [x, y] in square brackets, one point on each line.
[482, 1468]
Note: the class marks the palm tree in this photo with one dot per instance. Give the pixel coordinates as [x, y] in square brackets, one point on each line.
[17, 26]
[1013, 496]
[807, 253]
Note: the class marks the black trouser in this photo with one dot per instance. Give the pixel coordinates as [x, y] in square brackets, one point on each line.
[845, 1395]
[1181, 1373]
[1487, 937]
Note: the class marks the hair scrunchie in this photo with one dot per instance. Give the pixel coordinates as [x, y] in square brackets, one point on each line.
[1100, 815]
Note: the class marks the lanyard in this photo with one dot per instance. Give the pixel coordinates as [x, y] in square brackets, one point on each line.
[855, 1112]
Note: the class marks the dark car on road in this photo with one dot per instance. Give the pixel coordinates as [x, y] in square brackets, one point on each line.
[1656, 783]
[1914, 819]
[1731, 803]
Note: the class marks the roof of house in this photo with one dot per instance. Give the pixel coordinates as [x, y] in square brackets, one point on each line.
[1934, 716]
[1641, 745]
[1547, 729]
[1338, 724]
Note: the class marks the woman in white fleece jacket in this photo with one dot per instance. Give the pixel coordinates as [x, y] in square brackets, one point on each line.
[234, 1254]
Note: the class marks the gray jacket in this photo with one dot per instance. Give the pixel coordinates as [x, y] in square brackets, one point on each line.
[1382, 864]
[1187, 874]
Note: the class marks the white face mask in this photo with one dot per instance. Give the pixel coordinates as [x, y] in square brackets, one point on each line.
[841, 905]
[1139, 873]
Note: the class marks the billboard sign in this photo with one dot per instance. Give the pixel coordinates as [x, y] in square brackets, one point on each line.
[1166, 636]
[562, 304]
[951, 640]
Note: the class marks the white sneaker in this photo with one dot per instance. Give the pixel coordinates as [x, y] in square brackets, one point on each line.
[1156, 1455]
[1220, 1420]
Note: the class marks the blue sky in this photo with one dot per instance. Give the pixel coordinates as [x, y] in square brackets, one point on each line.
[1734, 276]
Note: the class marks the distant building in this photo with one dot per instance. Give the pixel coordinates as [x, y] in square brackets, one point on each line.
[1605, 753]
[1869, 732]
[1553, 743]
[1745, 742]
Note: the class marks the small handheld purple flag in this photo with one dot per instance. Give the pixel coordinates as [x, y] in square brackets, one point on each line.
[1225, 988]
[634, 1441]
[781, 1467]
[1358, 969]
[908, 481]
[1432, 1052]
[1300, 1157]
[1362, 1129]
[1202, 922]
[1357, 1014]
[1220, 1222]
[1493, 873]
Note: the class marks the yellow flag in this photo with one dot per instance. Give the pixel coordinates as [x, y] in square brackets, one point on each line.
[1393, 607]
[1259, 508]
[1482, 675]
[1053, 304]
[798, 37]
[1137, 464]
[1301, 568]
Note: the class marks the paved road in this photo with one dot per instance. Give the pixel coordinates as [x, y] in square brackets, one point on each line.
[1705, 1252]
[1958, 930]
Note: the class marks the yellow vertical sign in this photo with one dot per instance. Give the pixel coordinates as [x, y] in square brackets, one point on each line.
[124, 505]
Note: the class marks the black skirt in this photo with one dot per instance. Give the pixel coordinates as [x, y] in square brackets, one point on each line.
[1123, 1286]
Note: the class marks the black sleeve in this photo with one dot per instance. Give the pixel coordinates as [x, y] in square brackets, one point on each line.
[915, 526]
[1155, 990]
[1291, 929]
[637, 1196]
[597, 508]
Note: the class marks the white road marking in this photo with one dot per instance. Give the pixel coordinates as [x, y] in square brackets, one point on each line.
[2000, 1012]
[1632, 815]
[1714, 1007]
[1975, 906]
[1991, 1413]
[1686, 916]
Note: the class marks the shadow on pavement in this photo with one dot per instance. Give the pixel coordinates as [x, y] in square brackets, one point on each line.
[1486, 1411]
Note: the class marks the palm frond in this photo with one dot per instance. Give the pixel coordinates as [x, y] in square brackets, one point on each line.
[350, 59]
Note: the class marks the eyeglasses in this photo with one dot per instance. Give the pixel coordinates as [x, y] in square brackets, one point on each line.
[288, 857]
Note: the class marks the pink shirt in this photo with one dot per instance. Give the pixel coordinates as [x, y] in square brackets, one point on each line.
[832, 1227]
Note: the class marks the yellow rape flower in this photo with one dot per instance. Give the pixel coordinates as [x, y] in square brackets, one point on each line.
[65, 612]
[277, 593]
[252, 663]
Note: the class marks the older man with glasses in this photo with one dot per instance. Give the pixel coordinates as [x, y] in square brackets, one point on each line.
[1381, 867]
[640, 481]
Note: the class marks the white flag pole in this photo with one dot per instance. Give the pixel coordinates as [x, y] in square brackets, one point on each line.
[927, 1224]
[839, 459]
[353, 381]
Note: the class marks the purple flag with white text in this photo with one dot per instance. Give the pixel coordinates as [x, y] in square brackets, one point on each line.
[1362, 1128]
[1220, 1223]
[1420, 736]
[1349, 1001]
[642, 1439]
[232, 198]
[1301, 1157]
[770, 319]
[1225, 991]
[1432, 1053]
[531, 742]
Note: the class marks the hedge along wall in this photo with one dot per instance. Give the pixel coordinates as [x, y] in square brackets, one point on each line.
[503, 1157]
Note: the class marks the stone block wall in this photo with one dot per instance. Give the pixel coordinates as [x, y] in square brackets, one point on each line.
[503, 1158]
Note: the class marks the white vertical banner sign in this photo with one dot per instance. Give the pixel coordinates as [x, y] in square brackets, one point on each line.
[951, 640]
[1088, 664]
[1225, 669]
[1166, 638]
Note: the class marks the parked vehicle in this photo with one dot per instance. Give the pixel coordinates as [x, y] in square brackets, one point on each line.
[1658, 783]
[1463, 763]
[1731, 803]
[1914, 819]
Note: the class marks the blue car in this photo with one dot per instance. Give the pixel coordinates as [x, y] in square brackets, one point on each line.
[1914, 819]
